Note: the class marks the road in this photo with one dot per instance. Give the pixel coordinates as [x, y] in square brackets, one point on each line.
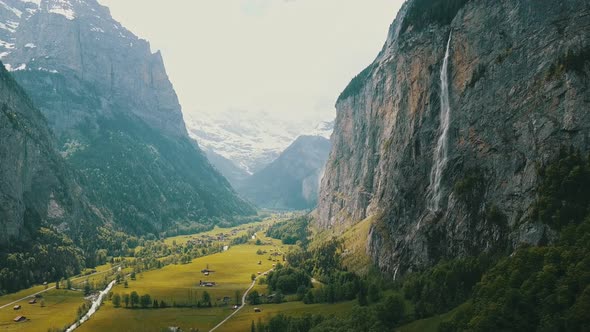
[53, 287]
[243, 303]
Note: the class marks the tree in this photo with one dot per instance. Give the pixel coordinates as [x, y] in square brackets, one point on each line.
[258, 242]
[116, 300]
[42, 303]
[279, 297]
[133, 275]
[252, 327]
[362, 296]
[68, 283]
[126, 299]
[206, 297]
[156, 305]
[254, 298]
[87, 288]
[145, 300]
[162, 304]
[126, 284]
[253, 277]
[238, 297]
[374, 295]
[134, 299]
[56, 285]
[392, 311]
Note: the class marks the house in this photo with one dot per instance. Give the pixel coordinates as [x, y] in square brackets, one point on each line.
[19, 319]
[16, 307]
[257, 310]
[33, 301]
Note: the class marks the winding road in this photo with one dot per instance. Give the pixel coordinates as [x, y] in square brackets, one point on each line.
[243, 303]
[53, 287]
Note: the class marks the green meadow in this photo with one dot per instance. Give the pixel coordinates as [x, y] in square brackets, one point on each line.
[178, 285]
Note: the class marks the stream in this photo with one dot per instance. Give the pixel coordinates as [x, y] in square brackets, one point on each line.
[94, 308]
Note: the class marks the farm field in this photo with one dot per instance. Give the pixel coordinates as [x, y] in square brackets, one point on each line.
[243, 320]
[174, 284]
[60, 309]
[179, 284]
[60, 305]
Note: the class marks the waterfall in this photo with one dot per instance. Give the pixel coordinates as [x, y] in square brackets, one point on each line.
[441, 152]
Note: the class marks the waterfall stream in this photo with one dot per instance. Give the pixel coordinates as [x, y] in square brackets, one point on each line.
[441, 152]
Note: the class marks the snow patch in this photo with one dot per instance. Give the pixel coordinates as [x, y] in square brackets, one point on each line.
[6, 27]
[12, 9]
[10, 68]
[37, 2]
[7, 45]
[53, 71]
[62, 7]
[30, 45]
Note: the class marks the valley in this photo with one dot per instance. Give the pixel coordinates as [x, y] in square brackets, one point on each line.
[198, 181]
[175, 285]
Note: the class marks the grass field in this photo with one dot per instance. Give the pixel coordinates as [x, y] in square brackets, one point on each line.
[180, 284]
[172, 284]
[60, 309]
[243, 320]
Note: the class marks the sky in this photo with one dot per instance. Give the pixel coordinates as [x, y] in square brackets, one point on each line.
[290, 58]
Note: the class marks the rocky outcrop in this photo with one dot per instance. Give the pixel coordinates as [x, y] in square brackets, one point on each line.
[36, 187]
[290, 182]
[518, 87]
[80, 38]
[116, 116]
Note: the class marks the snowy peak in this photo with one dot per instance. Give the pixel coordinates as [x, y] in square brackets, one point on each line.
[252, 140]
[80, 38]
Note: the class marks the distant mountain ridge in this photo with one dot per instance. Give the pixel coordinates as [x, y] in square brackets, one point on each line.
[251, 140]
[291, 182]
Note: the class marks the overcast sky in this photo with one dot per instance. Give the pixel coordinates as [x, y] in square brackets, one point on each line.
[288, 57]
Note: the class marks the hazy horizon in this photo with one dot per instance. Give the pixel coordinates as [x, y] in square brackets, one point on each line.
[290, 58]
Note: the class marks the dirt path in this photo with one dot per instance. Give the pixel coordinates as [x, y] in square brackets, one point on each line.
[243, 303]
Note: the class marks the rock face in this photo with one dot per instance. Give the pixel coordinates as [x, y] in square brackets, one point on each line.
[116, 116]
[518, 89]
[291, 181]
[36, 187]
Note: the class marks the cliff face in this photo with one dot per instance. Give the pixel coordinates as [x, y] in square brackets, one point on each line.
[36, 187]
[518, 81]
[291, 181]
[80, 38]
[116, 116]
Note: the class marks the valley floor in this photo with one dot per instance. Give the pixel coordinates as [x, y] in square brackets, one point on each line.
[178, 285]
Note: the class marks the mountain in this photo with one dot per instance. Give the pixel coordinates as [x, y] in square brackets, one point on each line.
[290, 182]
[440, 142]
[251, 140]
[43, 209]
[234, 174]
[115, 114]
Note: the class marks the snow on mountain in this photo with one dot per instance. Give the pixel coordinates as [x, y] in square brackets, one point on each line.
[251, 140]
[89, 15]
